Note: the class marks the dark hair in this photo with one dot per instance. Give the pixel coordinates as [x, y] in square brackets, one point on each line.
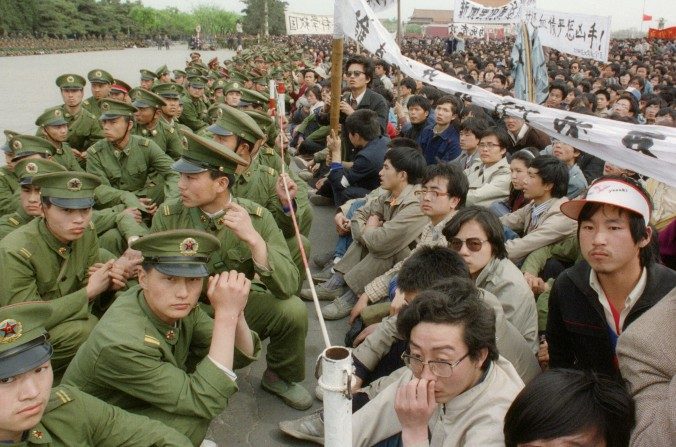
[527, 155]
[502, 78]
[409, 83]
[217, 174]
[430, 264]
[501, 134]
[495, 233]
[316, 90]
[409, 160]
[420, 101]
[431, 93]
[366, 62]
[554, 171]
[454, 301]
[456, 105]
[403, 142]
[363, 122]
[559, 86]
[633, 103]
[382, 63]
[565, 402]
[476, 126]
[456, 179]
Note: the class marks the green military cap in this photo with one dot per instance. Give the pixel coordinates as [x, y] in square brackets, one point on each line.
[51, 117]
[193, 71]
[68, 189]
[8, 136]
[254, 97]
[111, 109]
[179, 73]
[162, 71]
[236, 122]
[143, 98]
[26, 169]
[100, 77]
[70, 81]
[232, 87]
[261, 80]
[147, 75]
[24, 341]
[183, 253]
[197, 81]
[263, 120]
[24, 145]
[120, 86]
[204, 154]
[219, 83]
[215, 111]
[169, 90]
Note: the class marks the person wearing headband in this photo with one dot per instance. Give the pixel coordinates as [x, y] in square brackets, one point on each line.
[593, 302]
[33, 413]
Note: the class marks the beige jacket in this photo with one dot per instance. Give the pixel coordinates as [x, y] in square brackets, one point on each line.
[490, 185]
[648, 364]
[552, 227]
[474, 418]
[510, 342]
[504, 280]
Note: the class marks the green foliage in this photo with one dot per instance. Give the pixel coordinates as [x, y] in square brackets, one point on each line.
[253, 20]
[108, 18]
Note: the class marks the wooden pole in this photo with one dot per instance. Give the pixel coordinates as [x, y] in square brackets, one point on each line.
[336, 80]
[399, 31]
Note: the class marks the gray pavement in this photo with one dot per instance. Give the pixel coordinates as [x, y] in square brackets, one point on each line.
[253, 414]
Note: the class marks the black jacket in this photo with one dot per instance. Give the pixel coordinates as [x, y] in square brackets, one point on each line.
[577, 332]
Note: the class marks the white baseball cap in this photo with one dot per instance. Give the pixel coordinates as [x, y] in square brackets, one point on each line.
[611, 191]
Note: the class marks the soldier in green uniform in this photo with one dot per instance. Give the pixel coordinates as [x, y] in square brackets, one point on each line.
[48, 260]
[251, 243]
[217, 92]
[194, 106]
[53, 127]
[260, 183]
[9, 183]
[179, 77]
[253, 100]
[147, 78]
[148, 122]
[32, 413]
[124, 161]
[100, 82]
[83, 127]
[233, 93]
[163, 75]
[119, 91]
[156, 352]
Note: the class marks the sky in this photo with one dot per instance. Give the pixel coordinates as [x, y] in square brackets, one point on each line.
[625, 13]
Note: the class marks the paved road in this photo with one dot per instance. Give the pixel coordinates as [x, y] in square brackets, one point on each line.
[28, 88]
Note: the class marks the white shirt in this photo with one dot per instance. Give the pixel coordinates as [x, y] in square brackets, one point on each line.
[629, 303]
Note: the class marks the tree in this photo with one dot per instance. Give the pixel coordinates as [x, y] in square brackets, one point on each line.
[252, 21]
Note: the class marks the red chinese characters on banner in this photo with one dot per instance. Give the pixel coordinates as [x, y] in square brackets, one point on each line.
[666, 33]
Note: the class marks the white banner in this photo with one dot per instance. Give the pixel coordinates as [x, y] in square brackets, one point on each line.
[381, 5]
[467, 11]
[577, 34]
[298, 23]
[648, 150]
[468, 30]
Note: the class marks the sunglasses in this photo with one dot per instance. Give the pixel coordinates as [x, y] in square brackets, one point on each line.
[473, 243]
[355, 73]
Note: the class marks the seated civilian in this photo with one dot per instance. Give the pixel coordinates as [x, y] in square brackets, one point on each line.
[594, 301]
[383, 231]
[471, 130]
[518, 166]
[349, 180]
[541, 222]
[577, 182]
[458, 388]
[523, 135]
[441, 142]
[563, 407]
[419, 116]
[489, 180]
[477, 235]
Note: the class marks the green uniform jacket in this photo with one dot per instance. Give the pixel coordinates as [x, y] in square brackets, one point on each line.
[9, 191]
[73, 418]
[83, 128]
[282, 277]
[164, 135]
[134, 360]
[64, 156]
[35, 266]
[10, 222]
[194, 113]
[128, 170]
[91, 104]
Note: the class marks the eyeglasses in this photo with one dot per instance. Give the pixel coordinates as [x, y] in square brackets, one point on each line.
[488, 145]
[355, 73]
[439, 368]
[422, 193]
[473, 243]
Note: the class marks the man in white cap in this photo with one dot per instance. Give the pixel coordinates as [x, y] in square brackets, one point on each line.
[618, 280]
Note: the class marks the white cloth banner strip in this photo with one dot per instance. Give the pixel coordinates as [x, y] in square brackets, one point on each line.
[649, 150]
[467, 11]
[381, 5]
[468, 30]
[298, 23]
[577, 34]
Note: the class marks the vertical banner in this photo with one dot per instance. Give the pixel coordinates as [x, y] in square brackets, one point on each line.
[578, 34]
[297, 23]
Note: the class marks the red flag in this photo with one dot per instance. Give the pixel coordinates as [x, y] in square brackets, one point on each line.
[647, 18]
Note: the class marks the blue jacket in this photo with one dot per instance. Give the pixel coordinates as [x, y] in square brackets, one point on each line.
[367, 164]
[442, 147]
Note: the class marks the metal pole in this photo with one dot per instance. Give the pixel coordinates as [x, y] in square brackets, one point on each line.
[399, 32]
[337, 369]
